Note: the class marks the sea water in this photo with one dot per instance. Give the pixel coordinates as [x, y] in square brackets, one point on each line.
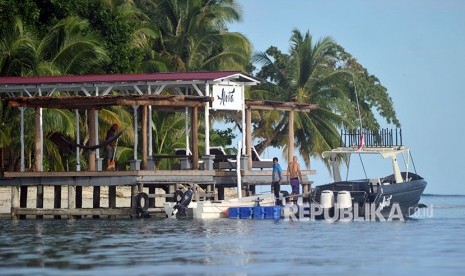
[431, 243]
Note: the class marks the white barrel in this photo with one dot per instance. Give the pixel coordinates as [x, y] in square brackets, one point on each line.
[344, 200]
[327, 199]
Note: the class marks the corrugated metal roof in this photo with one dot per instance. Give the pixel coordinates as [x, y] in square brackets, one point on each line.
[123, 78]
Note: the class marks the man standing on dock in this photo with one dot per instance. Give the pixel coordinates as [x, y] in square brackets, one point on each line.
[276, 179]
[295, 176]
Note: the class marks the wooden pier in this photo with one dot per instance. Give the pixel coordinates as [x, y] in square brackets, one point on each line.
[188, 92]
[160, 186]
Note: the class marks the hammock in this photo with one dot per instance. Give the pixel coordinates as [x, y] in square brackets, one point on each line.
[101, 145]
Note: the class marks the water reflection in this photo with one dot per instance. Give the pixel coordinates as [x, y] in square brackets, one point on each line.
[218, 246]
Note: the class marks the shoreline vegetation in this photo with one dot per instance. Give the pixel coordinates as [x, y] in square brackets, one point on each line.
[114, 37]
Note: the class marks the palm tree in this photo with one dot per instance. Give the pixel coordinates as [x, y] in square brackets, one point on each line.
[169, 133]
[16, 50]
[193, 35]
[314, 73]
[128, 35]
[303, 76]
[65, 49]
[69, 49]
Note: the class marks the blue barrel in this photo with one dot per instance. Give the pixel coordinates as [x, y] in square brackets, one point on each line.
[245, 212]
[258, 212]
[273, 212]
[233, 212]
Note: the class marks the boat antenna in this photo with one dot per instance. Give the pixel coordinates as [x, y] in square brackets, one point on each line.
[362, 138]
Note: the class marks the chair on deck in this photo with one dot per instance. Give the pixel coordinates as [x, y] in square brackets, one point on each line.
[258, 162]
[256, 156]
[220, 154]
[182, 151]
[222, 160]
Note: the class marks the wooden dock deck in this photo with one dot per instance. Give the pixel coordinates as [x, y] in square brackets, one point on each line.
[159, 185]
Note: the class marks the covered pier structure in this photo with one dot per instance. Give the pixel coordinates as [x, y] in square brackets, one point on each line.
[145, 93]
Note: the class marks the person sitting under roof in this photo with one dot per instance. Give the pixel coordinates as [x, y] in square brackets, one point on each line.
[110, 148]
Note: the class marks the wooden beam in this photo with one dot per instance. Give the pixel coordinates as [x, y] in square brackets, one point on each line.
[195, 138]
[144, 137]
[91, 140]
[290, 145]
[279, 106]
[248, 135]
[98, 102]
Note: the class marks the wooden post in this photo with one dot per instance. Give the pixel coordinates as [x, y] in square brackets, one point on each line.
[290, 146]
[195, 135]
[171, 190]
[57, 199]
[134, 191]
[14, 201]
[23, 199]
[144, 137]
[40, 199]
[96, 199]
[92, 140]
[220, 192]
[248, 134]
[78, 198]
[71, 198]
[152, 191]
[112, 198]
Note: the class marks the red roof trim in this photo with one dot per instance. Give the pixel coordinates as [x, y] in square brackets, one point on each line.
[185, 76]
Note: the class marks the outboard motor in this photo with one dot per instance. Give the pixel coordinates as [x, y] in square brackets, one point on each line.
[327, 203]
[181, 206]
[344, 203]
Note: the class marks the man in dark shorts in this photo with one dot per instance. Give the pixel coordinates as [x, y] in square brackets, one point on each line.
[295, 176]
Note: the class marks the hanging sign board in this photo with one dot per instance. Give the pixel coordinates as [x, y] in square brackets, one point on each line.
[227, 97]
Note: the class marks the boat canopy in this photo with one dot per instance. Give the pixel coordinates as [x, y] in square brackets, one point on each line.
[385, 152]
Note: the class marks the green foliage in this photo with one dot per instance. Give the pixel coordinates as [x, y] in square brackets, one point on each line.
[193, 34]
[27, 10]
[53, 37]
[317, 72]
[222, 137]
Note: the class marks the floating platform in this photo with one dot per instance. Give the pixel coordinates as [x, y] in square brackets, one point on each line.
[256, 212]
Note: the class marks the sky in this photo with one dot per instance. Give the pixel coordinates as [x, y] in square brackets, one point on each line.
[416, 48]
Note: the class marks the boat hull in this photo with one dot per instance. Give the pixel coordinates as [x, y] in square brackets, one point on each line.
[371, 202]
[406, 195]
